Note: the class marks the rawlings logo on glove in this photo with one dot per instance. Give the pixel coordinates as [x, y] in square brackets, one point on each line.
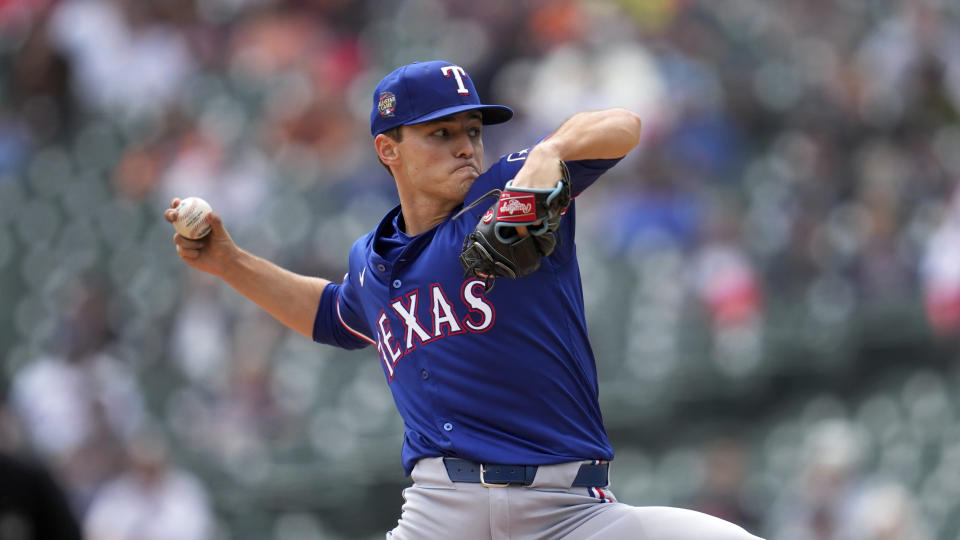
[516, 208]
[495, 248]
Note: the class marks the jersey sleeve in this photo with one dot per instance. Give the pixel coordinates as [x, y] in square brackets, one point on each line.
[339, 320]
[585, 172]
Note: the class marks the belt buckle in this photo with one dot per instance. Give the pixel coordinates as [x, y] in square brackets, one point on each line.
[483, 482]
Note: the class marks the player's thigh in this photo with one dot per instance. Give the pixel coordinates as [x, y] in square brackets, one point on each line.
[441, 513]
[622, 521]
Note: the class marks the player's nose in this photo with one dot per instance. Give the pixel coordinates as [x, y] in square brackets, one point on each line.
[463, 145]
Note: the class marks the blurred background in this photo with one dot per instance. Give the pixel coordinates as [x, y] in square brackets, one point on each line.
[772, 278]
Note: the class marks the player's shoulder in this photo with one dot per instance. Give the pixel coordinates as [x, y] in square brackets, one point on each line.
[498, 173]
[511, 163]
[363, 244]
[384, 227]
[361, 249]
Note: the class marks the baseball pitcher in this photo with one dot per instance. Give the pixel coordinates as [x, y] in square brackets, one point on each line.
[469, 294]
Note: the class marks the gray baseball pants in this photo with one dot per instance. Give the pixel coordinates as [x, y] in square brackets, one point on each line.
[437, 509]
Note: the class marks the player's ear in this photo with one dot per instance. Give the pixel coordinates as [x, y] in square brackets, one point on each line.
[387, 149]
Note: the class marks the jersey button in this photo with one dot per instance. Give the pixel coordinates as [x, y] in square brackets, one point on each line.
[381, 268]
[424, 374]
[448, 427]
[397, 283]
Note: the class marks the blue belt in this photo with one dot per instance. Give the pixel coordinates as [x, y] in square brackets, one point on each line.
[499, 475]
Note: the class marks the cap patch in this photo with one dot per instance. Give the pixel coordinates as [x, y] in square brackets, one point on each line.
[387, 104]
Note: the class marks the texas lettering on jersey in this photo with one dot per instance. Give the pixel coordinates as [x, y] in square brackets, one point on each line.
[428, 315]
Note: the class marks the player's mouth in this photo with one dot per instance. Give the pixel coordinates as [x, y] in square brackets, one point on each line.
[468, 168]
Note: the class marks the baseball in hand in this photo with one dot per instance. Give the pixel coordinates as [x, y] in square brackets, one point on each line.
[192, 218]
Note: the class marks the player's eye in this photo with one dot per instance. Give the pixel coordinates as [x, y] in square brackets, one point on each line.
[474, 132]
[442, 132]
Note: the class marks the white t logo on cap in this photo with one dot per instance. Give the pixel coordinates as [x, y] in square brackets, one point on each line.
[458, 73]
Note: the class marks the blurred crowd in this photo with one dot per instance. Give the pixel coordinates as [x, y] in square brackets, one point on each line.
[772, 279]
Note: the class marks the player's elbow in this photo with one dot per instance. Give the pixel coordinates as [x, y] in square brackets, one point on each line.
[621, 131]
[632, 125]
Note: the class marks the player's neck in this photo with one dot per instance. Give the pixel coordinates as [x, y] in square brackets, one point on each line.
[422, 215]
[415, 223]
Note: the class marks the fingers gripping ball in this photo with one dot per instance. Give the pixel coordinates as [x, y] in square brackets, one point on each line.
[496, 248]
[192, 218]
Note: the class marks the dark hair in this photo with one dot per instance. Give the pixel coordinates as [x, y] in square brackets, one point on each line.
[396, 134]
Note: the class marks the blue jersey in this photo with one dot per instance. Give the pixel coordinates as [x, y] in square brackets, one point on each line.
[505, 376]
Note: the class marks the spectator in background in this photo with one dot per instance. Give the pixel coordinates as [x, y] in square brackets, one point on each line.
[940, 271]
[32, 504]
[41, 87]
[723, 493]
[727, 284]
[78, 400]
[887, 512]
[128, 61]
[151, 499]
[835, 499]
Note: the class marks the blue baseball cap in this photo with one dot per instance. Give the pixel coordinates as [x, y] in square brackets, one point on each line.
[424, 91]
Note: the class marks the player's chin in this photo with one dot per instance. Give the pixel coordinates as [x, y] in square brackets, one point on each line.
[464, 177]
[464, 185]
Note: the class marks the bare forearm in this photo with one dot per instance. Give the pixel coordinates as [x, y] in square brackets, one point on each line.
[606, 134]
[291, 298]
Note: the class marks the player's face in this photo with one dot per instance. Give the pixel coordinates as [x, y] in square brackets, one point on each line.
[441, 158]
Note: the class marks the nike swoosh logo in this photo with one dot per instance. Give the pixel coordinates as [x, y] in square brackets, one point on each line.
[362, 274]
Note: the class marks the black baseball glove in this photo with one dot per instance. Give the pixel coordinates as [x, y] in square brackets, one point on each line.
[495, 248]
